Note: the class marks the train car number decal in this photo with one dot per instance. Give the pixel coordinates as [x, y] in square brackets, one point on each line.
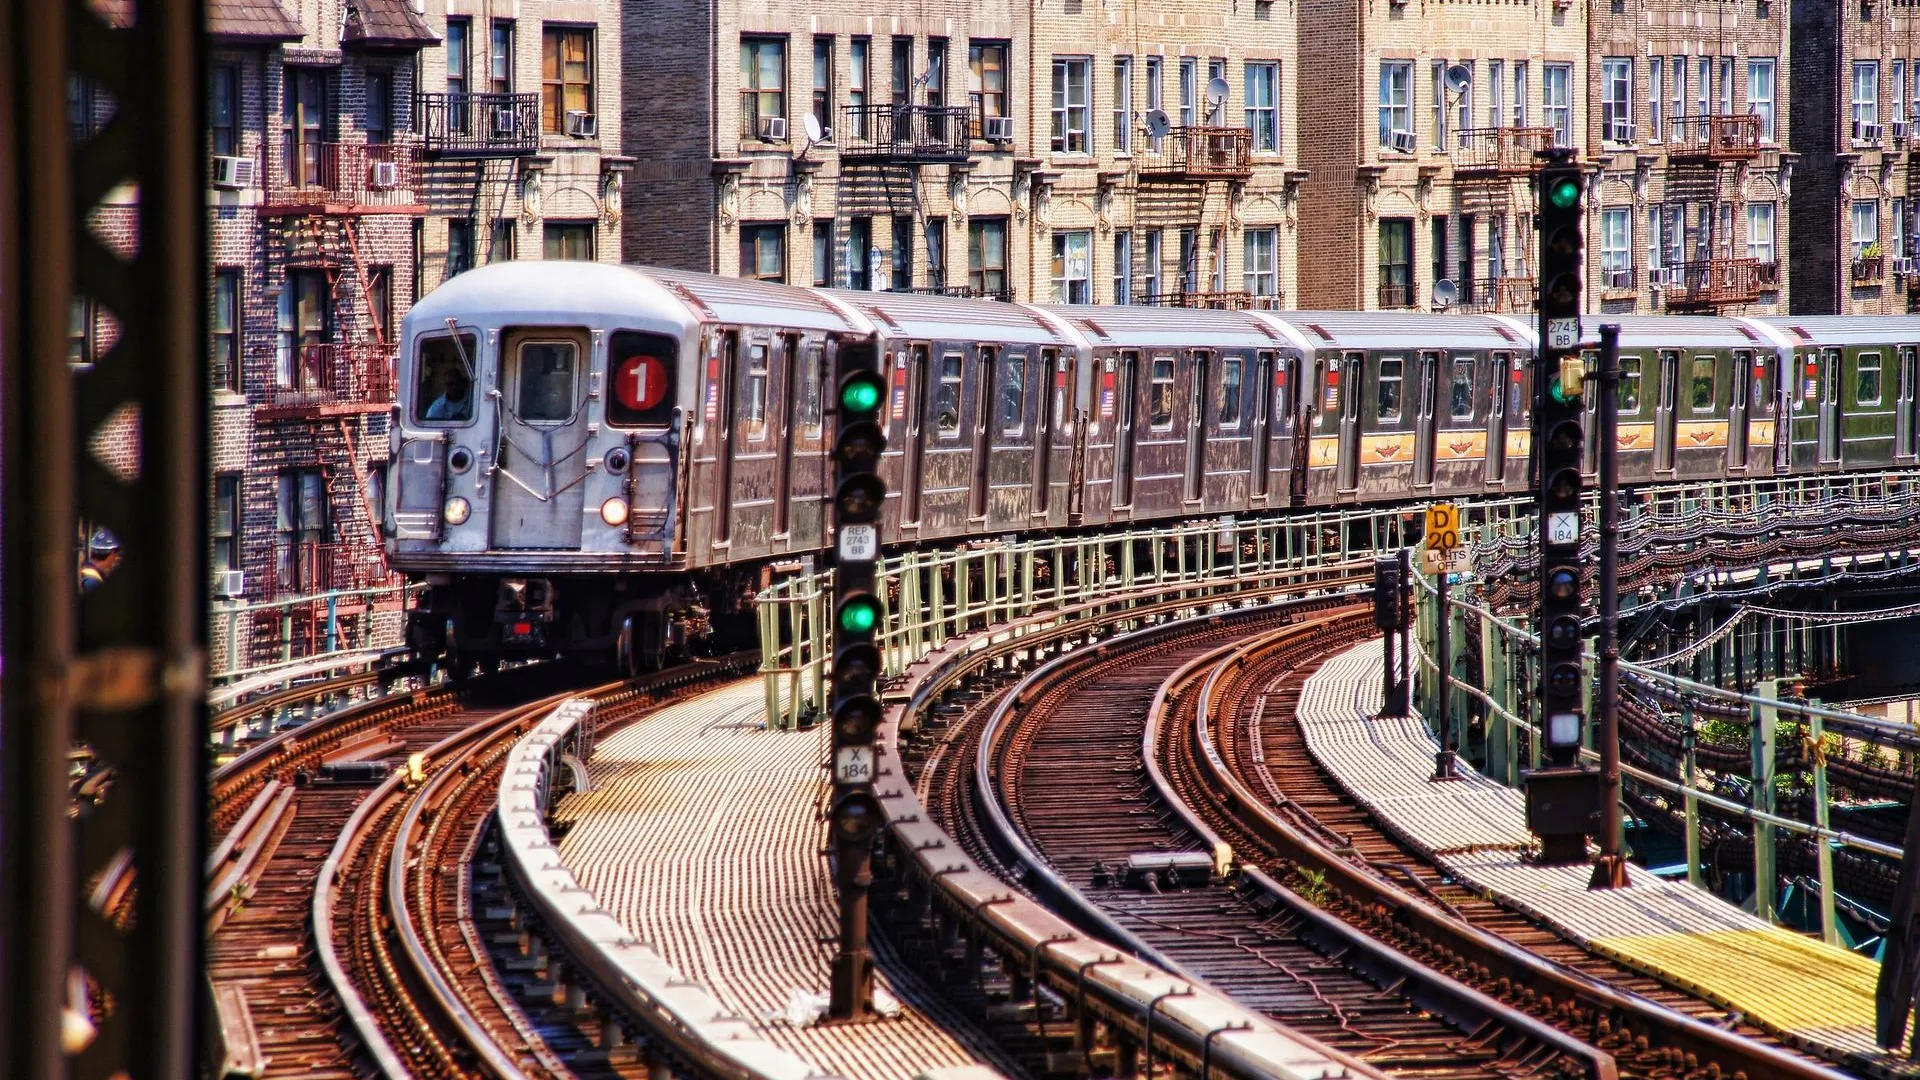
[640, 382]
[900, 387]
[713, 389]
[1106, 392]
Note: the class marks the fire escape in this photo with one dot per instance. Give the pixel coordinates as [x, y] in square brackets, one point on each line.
[883, 150]
[1188, 180]
[1487, 163]
[1705, 167]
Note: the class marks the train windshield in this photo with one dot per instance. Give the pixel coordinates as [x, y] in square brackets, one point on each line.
[444, 392]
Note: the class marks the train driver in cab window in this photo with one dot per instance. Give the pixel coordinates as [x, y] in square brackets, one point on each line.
[445, 392]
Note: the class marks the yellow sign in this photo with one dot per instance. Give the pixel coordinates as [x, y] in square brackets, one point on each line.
[1443, 551]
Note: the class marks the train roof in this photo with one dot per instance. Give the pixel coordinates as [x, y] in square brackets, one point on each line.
[756, 303]
[1847, 329]
[1163, 327]
[1641, 332]
[504, 293]
[1404, 329]
[945, 318]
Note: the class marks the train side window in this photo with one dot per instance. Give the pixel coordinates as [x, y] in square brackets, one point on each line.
[1160, 395]
[1703, 384]
[640, 372]
[1629, 384]
[753, 406]
[810, 372]
[1231, 371]
[444, 393]
[946, 406]
[547, 381]
[1390, 379]
[1013, 393]
[1461, 388]
[1866, 387]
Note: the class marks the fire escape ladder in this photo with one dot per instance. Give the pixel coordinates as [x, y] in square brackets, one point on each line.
[365, 498]
[380, 332]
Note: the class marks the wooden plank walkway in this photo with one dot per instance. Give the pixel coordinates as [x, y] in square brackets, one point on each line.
[1796, 986]
[702, 835]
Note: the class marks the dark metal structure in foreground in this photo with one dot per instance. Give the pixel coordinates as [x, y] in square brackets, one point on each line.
[102, 715]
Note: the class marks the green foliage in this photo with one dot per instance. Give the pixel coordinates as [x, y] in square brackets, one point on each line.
[1312, 886]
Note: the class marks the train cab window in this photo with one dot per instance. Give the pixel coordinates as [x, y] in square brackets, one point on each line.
[946, 404]
[1231, 373]
[444, 394]
[753, 404]
[1013, 394]
[809, 407]
[547, 380]
[1160, 395]
[1389, 381]
[1460, 389]
[640, 374]
[1866, 387]
[1703, 384]
[1629, 384]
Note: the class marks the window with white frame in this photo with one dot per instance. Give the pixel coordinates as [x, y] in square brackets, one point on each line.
[1760, 232]
[1217, 113]
[1263, 110]
[1439, 104]
[1070, 106]
[1150, 278]
[1654, 250]
[1558, 103]
[1463, 108]
[1496, 93]
[1616, 251]
[1189, 91]
[1760, 77]
[1897, 75]
[1122, 104]
[1866, 226]
[1396, 99]
[1897, 229]
[1261, 278]
[1071, 272]
[1675, 234]
[1866, 100]
[1726, 86]
[1519, 93]
[1656, 86]
[1703, 86]
[1496, 247]
[1616, 99]
[1155, 66]
[1122, 266]
[1678, 82]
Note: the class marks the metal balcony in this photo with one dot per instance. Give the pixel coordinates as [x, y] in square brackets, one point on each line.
[332, 378]
[1501, 296]
[1711, 140]
[1712, 283]
[1396, 295]
[303, 569]
[1202, 153]
[912, 134]
[1499, 152]
[479, 125]
[342, 178]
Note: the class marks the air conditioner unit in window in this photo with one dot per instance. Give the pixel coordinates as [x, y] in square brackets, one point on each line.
[1866, 133]
[581, 125]
[997, 129]
[772, 128]
[233, 173]
[1903, 265]
[506, 120]
[1619, 279]
[1401, 141]
[383, 175]
[230, 583]
[1626, 134]
[1901, 129]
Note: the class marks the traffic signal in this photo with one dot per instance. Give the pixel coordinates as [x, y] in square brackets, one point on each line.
[1559, 441]
[859, 495]
[1389, 595]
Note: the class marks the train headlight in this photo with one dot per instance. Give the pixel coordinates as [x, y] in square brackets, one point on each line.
[614, 511]
[457, 511]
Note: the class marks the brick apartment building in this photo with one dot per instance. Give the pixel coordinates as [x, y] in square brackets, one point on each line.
[358, 160]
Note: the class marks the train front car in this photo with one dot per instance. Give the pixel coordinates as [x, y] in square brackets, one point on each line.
[536, 463]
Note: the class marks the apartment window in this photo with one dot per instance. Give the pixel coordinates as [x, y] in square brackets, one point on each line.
[1189, 260]
[1866, 99]
[569, 240]
[1160, 394]
[1150, 281]
[226, 520]
[1155, 66]
[1122, 267]
[1232, 375]
[823, 82]
[1496, 248]
[1469, 230]
[1616, 247]
[763, 86]
[223, 109]
[935, 79]
[1725, 231]
[500, 56]
[1263, 111]
[1559, 103]
[501, 245]
[379, 106]
[1654, 248]
[946, 402]
[987, 77]
[1703, 85]
[1396, 99]
[1760, 74]
[1070, 106]
[1122, 104]
[1013, 393]
[1702, 380]
[1463, 118]
[860, 256]
[80, 338]
[1262, 278]
[1897, 75]
[301, 522]
[1189, 91]
[1439, 104]
[1519, 93]
[1438, 246]
[1656, 85]
[1071, 255]
[937, 252]
[1396, 262]
[763, 251]
[823, 254]
[1616, 99]
[459, 66]
[1217, 69]
[305, 121]
[902, 74]
[460, 254]
[304, 318]
[1897, 228]
[987, 255]
[1460, 388]
[380, 301]
[226, 330]
[1679, 88]
[1219, 260]
[1392, 374]
[858, 68]
[1676, 234]
[903, 252]
[1726, 86]
[1866, 226]
[1496, 93]
[1760, 232]
[566, 76]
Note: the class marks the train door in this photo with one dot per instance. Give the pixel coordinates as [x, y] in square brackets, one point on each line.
[1345, 381]
[1046, 417]
[1663, 412]
[1124, 414]
[1903, 406]
[912, 459]
[1831, 411]
[1199, 371]
[1263, 401]
[538, 495]
[986, 358]
[1776, 374]
[1497, 375]
[1424, 434]
[783, 448]
[1738, 397]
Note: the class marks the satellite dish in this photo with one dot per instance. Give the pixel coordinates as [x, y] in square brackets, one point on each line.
[1459, 78]
[1157, 123]
[1217, 90]
[1445, 292]
[814, 132]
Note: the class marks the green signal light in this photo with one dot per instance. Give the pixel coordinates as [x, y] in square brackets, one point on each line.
[859, 615]
[1565, 193]
[860, 394]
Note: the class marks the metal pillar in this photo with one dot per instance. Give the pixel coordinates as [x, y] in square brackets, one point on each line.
[1610, 867]
[1764, 721]
[1823, 851]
